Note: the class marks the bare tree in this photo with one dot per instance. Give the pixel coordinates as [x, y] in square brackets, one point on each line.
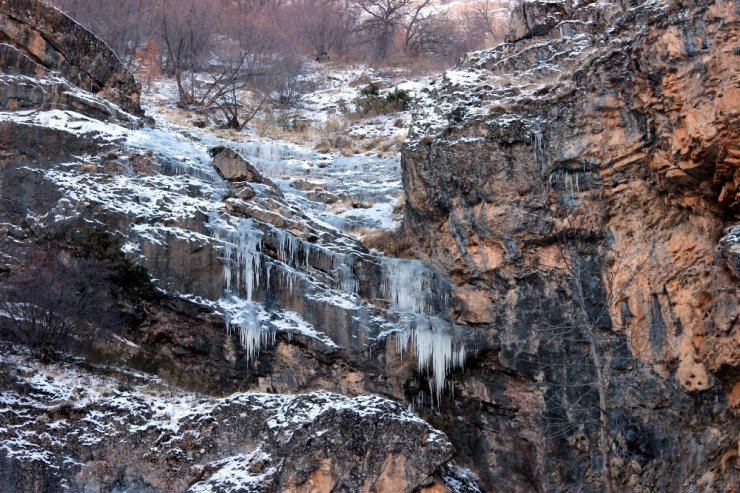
[381, 21]
[416, 21]
[122, 24]
[187, 30]
[434, 35]
[55, 299]
[326, 24]
[579, 377]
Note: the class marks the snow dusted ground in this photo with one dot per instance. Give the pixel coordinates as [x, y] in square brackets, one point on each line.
[350, 192]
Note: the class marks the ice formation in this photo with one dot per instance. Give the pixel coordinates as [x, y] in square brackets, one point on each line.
[412, 287]
[572, 180]
[250, 319]
[539, 149]
[422, 296]
[242, 259]
[242, 266]
[435, 348]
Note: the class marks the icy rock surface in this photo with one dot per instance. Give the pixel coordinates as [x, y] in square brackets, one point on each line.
[280, 260]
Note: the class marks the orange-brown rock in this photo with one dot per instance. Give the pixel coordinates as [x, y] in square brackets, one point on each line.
[590, 165]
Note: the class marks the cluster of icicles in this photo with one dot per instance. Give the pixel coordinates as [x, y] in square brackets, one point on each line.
[416, 293]
[422, 297]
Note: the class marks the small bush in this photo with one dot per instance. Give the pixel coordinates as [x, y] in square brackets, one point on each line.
[372, 103]
[94, 242]
[56, 301]
[334, 135]
[399, 98]
[215, 151]
[372, 89]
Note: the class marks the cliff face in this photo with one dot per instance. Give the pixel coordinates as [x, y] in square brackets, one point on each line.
[571, 191]
[580, 180]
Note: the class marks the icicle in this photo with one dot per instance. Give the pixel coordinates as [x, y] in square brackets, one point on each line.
[436, 351]
[242, 260]
[247, 317]
[539, 150]
[287, 247]
[346, 280]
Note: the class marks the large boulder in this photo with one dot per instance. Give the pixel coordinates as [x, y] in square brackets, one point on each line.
[231, 166]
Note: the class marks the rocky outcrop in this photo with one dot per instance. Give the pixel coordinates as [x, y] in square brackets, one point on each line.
[78, 430]
[233, 167]
[38, 40]
[573, 189]
[255, 291]
[574, 183]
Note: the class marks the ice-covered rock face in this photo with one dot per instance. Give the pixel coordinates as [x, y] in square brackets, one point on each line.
[269, 261]
[259, 237]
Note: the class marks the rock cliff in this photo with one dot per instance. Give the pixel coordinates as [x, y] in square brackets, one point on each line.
[41, 42]
[578, 185]
[252, 289]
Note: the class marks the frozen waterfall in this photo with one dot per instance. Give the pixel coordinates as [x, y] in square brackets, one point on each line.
[421, 296]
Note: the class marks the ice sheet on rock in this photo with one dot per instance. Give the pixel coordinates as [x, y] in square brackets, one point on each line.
[151, 198]
[378, 216]
[67, 121]
[412, 287]
[179, 155]
[241, 243]
[422, 296]
[251, 472]
[288, 321]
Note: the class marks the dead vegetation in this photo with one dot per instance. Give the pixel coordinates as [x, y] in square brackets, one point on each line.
[392, 242]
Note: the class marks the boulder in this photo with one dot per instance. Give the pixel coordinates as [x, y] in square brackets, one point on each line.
[47, 40]
[231, 166]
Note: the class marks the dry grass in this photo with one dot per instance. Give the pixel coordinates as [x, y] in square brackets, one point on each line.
[400, 204]
[391, 242]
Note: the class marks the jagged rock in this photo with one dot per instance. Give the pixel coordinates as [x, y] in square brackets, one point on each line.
[609, 129]
[243, 190]
[38, 39]
[606, 126]
[84, 431]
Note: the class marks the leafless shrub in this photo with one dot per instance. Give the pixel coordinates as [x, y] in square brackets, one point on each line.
[56, 300]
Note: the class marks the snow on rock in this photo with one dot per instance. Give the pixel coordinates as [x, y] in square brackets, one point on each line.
[279, 260]
[60, 420]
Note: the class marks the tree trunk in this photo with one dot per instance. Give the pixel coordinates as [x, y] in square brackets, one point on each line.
[601, 385]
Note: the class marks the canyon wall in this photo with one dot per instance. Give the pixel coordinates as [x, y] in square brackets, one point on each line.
[578, 184]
